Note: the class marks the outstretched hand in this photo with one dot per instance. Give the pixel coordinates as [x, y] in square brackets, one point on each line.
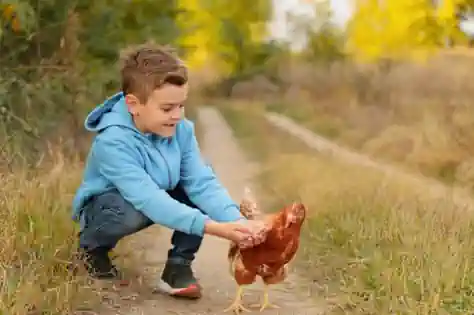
[258, 231]
[245, 233]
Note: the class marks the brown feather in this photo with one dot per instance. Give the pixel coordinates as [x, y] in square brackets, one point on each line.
[268, 260]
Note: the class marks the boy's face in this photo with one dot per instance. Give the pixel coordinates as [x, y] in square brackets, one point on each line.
[162, 112]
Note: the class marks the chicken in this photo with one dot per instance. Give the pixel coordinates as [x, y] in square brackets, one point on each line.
[268, 260]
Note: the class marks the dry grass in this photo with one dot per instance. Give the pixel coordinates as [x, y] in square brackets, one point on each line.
[373, 244]
[419, 116]
[38, 241]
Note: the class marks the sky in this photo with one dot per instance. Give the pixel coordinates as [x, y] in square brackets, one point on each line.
[279, 28]
[342, 10]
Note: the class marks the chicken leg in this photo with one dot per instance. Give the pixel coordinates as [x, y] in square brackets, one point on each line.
[265, 301]
[237, 306]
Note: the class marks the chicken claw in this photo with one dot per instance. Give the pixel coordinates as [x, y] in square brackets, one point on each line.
[237, 306]
[266, 302]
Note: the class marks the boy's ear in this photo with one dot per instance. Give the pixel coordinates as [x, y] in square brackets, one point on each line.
[133, 103]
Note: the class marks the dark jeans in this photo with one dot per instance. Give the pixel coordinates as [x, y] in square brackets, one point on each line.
[109, 217]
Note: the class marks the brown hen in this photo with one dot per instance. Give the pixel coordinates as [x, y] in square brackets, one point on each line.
[270, 259]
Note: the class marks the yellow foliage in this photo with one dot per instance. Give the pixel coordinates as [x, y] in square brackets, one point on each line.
[201, 27]
[399, 28]
[16, 24]
[204, 29]
[9, 14]
[447, 19]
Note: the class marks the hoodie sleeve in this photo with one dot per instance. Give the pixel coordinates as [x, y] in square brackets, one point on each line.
[120, 163]
[201, 184]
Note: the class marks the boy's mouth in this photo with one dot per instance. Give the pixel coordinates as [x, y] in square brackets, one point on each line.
[170, 125]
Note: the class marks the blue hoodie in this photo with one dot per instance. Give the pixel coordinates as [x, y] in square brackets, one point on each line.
[143, 166]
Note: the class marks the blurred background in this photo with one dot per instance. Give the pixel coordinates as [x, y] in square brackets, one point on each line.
[346, 60]
[391, 79]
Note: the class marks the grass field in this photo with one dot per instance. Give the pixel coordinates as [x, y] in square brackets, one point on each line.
[38, 241]
[418, 116]
[371, 245]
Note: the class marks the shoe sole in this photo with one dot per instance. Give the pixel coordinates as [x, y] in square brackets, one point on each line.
[191, 292]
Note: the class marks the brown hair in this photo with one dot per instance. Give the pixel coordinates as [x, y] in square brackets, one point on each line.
[149, 66]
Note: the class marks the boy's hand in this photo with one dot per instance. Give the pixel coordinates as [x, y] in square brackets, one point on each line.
[259, 233]
[242, 233]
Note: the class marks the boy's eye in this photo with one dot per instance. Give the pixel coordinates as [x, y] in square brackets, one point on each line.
[168, 109]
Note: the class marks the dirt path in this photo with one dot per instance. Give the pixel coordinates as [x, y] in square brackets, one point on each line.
[211, 267]
[428, 186]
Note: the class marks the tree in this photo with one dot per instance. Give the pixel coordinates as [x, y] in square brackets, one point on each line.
[450, 15]
[55, 54]
[401, 29]
[227, 34]
[323, 40]
[392, 29]
[126, 22]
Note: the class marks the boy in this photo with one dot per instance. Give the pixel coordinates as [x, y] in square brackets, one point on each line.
[145, 167]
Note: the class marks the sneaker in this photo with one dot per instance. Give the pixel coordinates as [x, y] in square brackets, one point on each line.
[178, 280]
[98, 264]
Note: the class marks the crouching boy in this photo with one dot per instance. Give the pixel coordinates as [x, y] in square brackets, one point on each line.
[145, 167]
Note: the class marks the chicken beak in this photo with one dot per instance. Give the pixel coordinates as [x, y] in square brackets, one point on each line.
[290, 219]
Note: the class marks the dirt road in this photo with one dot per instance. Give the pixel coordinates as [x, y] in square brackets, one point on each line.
[433, 188]
[211, 267]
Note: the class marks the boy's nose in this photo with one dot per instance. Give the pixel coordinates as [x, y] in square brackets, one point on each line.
[176, 115]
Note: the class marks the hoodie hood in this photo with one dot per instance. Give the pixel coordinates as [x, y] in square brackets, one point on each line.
[112, 112]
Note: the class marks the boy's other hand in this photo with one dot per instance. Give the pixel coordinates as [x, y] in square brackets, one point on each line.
[245, 233]
[259, 231]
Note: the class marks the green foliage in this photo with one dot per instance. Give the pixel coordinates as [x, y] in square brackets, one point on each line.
[61, 55]
[58, 59]
[241, 34]
[228, 35]
[324, 45]
[324, 41]
[126, 22]
[104, 26]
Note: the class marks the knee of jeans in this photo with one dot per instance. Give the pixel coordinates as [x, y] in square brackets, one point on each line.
[134, 221]
[117, 223]
[117, 216]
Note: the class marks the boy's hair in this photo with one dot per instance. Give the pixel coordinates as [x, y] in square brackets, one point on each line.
[149, 66]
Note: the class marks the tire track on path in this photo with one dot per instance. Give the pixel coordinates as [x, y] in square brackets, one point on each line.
[461, 197]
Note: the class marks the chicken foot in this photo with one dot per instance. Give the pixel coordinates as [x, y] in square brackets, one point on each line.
[237, 306]
[265, 301]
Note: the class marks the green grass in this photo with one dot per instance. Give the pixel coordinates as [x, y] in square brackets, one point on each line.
[372, 245]
[38, 241]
